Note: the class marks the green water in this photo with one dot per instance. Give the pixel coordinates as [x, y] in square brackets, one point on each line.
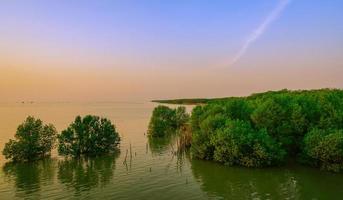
[151, 170]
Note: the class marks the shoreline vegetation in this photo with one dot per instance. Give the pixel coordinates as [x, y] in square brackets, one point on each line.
[194, 101]
[260, 130]
[202, 101]
[267, 129]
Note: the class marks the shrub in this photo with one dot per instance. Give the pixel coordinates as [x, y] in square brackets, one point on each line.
[90, 135]
[201, 139]
[275, 114]
[271, 121]
[238, 108]
[162, 121]
[34, 140]
[237, 143]
[165, 120]
[325, 149]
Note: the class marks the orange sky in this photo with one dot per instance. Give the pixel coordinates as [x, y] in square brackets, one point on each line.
[92, 84]
[106, 51]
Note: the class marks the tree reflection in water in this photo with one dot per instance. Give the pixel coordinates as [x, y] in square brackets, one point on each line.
[84, 173]
[78, 175]
[29, 177]
[289, 182]
[159, 145]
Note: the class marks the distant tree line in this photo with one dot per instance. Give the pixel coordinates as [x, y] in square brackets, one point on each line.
[196, 101]
[89, 136]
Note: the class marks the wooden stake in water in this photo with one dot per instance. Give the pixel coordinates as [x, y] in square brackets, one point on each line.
[125, 156]
[130, 151]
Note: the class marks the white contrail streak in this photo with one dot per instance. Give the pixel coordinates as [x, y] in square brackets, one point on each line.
[260, 29]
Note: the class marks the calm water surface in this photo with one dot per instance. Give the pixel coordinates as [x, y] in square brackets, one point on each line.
[151, 172]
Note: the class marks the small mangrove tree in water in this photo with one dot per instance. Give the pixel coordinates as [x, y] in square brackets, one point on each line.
[33, 140]
[90, 136]
[165, 120]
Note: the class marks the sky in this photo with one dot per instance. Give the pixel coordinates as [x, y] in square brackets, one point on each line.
[105, 50]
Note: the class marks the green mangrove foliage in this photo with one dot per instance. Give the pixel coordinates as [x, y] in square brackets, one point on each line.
[267, 128]
[237, 143]
[324, 148]
[34, 140]
[165, 120]
[90, 136]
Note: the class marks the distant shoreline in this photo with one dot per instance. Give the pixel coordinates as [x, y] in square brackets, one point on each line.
[183, 101]
[199, 101]
[193, 101]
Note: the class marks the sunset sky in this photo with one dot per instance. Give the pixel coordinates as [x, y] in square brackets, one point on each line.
[104, 50]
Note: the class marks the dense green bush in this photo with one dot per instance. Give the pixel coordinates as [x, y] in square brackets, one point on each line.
[237, 143]
[162, 121]
[278, 122]
[283, 119]
[34, 140]
[90, 135]
[165, 120]
[203, 129]
[324, 148]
